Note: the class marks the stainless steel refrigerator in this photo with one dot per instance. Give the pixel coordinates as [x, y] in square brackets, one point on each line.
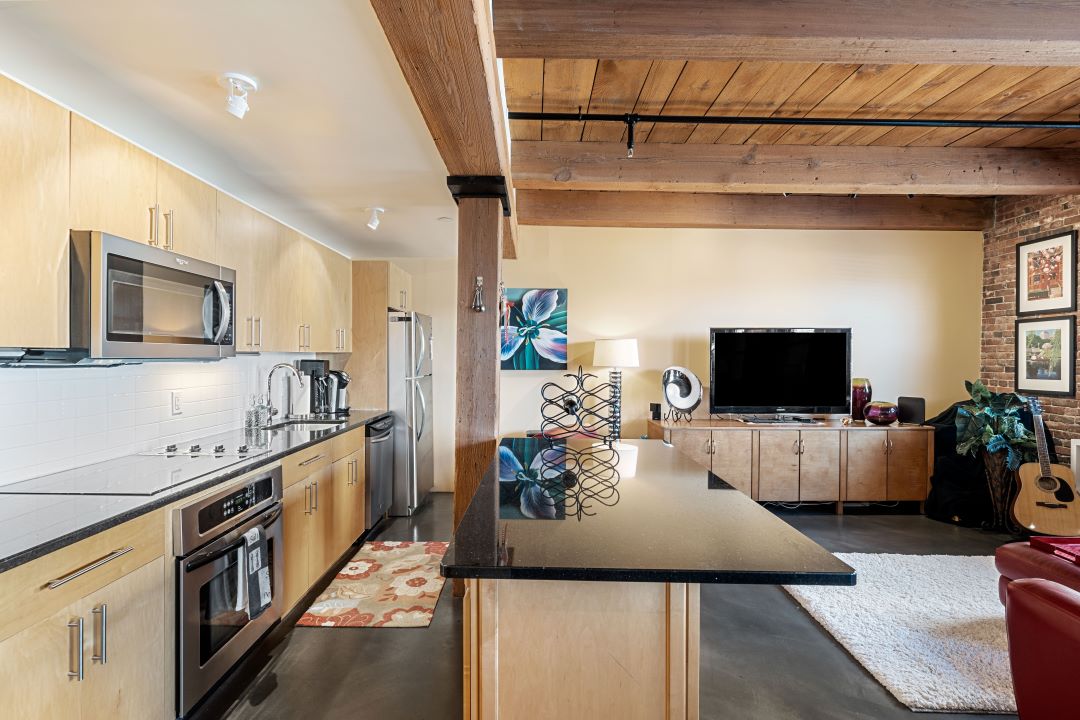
[408, 358]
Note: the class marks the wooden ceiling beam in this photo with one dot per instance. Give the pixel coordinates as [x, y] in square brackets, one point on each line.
[711, 210]
[999, 32]
[828, 169]
[446, 52]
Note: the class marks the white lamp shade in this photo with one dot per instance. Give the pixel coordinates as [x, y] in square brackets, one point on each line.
[618, 353]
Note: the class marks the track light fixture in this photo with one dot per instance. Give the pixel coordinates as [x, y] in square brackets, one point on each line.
[373, 218]
[238, 87]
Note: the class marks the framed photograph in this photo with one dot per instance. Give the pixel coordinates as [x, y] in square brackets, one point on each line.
[532, 333]
[1046, 274]
[1045, 356]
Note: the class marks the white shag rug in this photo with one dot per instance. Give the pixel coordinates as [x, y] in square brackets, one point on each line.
[929, 628]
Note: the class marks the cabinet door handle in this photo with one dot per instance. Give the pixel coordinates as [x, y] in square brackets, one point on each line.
[307, 336]
[169, 230]
[301, 341]
[406, 302]
[315, 502]
[802, 447]
[52, 585]
[310, 460]
[251, 331]
[307, 499]
[259, 321]
[77, 646]
[795, 447]
[102, 639]
[885, 446]
[154, 210]
[708, 446]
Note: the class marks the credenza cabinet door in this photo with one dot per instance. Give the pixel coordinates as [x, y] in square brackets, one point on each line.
[778, 465]
[908, 465]
[733, 458]
[695, 445]
[867, 463]
[34, 216]
[819, 466]
[113, 185]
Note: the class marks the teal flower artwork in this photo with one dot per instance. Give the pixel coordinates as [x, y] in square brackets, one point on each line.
[532, 331]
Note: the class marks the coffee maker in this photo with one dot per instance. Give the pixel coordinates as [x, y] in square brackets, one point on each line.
[338, 391]
[318, 376]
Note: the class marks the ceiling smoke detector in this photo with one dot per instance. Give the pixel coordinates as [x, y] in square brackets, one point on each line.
[238, 87]
[373, 220]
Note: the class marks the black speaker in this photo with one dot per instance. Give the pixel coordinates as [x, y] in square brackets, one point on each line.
[912, 410]
[654, 409]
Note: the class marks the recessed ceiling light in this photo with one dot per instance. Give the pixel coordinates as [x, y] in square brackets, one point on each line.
[238, 87]
[373, 219]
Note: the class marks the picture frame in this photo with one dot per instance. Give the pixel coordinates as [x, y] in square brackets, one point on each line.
[1046, 356]
[1046, 274]
[532, 330]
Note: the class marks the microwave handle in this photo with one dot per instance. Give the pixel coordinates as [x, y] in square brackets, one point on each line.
[226, 311]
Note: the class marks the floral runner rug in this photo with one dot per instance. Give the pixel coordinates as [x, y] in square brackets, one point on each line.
[386, 584]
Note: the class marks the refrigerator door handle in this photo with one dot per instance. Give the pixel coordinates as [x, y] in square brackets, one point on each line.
[419, 329]
[423, 409]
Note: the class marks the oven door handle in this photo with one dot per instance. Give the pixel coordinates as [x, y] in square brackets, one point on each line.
[229, 542]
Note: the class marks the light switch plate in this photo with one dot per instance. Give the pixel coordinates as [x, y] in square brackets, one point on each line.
[177, 407]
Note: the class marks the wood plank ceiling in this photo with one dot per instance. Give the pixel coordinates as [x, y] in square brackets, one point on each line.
[794, 89]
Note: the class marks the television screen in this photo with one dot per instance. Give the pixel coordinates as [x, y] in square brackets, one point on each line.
[771, 370]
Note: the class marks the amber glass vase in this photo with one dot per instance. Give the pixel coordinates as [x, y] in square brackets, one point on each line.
[861, 394]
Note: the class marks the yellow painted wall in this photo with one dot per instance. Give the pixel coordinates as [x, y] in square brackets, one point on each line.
[913, 300]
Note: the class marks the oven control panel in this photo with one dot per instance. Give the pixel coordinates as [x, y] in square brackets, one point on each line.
[229, 506]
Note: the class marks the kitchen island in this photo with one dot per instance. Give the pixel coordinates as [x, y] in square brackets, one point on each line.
[582, 573]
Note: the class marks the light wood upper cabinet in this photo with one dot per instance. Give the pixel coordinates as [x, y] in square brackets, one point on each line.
[235, 231]
[34, 210]
[339, 279]
[327, 304]
[188, 209]
[280, 286]
[398, 289]
[113, 184]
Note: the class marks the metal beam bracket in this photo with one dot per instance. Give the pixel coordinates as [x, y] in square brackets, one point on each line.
[479, 186]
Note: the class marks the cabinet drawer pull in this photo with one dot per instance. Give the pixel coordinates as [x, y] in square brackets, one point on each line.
[311, 460]
[77, 646]
[102, 654]
[87, 568]
[307, 499]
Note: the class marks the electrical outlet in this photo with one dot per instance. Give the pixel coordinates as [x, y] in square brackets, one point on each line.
[177, 407]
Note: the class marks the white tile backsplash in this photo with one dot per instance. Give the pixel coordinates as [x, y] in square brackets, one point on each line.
[52, 419]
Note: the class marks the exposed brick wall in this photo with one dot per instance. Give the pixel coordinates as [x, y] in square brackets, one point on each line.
[1017, 219]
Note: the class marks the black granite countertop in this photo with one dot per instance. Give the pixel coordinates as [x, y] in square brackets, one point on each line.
[649, 516]
[35, 525]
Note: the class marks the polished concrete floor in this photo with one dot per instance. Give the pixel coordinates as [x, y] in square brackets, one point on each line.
[763, 657]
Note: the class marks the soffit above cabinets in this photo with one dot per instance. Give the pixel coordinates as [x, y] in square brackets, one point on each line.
[332, 131]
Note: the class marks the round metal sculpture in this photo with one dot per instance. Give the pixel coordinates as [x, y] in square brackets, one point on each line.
[682, 391]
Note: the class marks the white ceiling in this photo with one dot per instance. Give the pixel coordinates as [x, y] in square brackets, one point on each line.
[332, 130]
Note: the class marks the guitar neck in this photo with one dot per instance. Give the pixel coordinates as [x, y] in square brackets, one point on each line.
[1040, 443]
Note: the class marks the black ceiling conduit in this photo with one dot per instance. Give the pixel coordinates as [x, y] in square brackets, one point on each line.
[632, 119]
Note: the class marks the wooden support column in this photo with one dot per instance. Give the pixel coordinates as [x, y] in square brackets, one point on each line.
[480, 239]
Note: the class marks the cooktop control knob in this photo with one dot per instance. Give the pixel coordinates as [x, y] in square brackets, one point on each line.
[219, 448]
[195, 448]
[170, 448]
[242, 449]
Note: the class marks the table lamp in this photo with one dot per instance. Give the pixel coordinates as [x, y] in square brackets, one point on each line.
[616, 354]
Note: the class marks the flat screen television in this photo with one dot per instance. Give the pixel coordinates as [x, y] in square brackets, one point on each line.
[780, 370]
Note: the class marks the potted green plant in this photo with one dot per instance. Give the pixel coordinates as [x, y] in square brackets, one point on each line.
[990, 425]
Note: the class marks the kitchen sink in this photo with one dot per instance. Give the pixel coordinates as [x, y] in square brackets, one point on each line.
[306, 425]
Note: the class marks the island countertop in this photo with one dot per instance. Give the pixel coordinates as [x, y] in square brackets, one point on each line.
[663, 518]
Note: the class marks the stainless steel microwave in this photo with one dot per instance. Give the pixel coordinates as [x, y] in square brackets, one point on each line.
[131, 301]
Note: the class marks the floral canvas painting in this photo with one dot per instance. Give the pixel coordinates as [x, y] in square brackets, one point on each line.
[532, 330]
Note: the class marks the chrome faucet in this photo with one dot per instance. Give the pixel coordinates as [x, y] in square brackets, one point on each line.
[270, 377]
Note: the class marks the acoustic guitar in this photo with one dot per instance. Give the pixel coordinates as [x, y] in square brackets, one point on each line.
[1047, 502]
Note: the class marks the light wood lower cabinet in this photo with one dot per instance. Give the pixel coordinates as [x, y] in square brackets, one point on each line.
[121, 655]
[34, 209]
[349, 501]
[308, 532]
